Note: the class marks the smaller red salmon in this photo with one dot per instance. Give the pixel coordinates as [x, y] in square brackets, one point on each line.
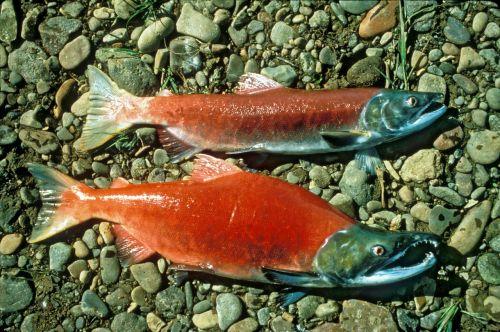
[262, 116]
[235, 224]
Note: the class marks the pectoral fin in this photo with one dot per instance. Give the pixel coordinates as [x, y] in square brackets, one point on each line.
[369, 160]
[340, 138]
[289, 297]
[293, 278]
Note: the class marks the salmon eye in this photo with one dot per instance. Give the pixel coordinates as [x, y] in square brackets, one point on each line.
[412, 101]
[378, 250]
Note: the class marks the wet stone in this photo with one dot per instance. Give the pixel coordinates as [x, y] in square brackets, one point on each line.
[15, 294]
[110, 266]
[170, 302]
[229, 309]
[448, 195]
[131, 322]
[92, 305]
[468, 233]
[488, 266]
[456, 32]
[355, 312]
[59, 254]
[147, 275]
[484, 146]
[440, 218]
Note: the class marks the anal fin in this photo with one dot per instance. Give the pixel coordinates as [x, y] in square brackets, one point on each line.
[369, 160]
[177, 149]
[130, 250]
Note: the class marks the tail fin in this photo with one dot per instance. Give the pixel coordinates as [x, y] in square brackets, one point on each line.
[107, 101]
[59, 210]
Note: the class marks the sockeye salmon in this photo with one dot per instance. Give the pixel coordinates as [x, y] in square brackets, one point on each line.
[236, 224]
[262, 116]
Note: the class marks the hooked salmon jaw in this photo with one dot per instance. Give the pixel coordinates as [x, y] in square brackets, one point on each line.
[417, 258]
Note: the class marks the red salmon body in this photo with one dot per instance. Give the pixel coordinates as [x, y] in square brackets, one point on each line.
[223, 221]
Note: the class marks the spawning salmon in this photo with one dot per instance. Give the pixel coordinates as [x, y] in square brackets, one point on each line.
[261, 116]
[235, 224]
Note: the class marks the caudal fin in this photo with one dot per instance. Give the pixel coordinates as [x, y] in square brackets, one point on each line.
[60, 209]
[107, 103]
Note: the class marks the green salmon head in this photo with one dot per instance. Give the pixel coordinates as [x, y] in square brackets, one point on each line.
[364, 256]
[391, 114]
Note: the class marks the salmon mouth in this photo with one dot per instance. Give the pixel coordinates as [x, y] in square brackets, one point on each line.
[415, 259]
[429, 113]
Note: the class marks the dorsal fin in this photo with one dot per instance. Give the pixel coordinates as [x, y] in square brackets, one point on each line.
[208, 168]
[164, 93]
[253, 83]
[130, 250]
[119, 182]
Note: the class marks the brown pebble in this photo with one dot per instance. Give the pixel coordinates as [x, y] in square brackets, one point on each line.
[81, 250]
[65, 96]
[10, 243]
[449, 139]
[106, 233]
[379, 19]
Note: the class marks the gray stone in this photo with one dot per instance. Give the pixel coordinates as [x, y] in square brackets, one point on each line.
[365, 72]
[72, 9]
[464, 183]
[327, 56]
[124, 8]
[492, 98]
[319, 19]
[7, 135]
[133, 75]
[468, 233]
[206, 320]
[57, 31]
[139, 168]
[484, 146]
[195, 24]
[422, 13]
[235, 68]
[448, 195]
[283, 74]
[488, 266]
[456, 32]
[429, 321]
[115, 35]
[8, 22]
[90, 238]
[465, 83]
[77, 267]
[202, 306]
[354, 183]
[29, 61]
[281, 33]
[15, 294]
[440, 218]
[407, 321]
[81, 105]
[126, 321]
[357, 7]
[354, 317]
[160, 157]
[170, 302]
[306, 307]
[420, 211]
[152, 37]
[492, 30]
[254, 26]
[278, 324]
[479, 22]
[431, 83]
[92, 305]
[59, 255]
[74, 52]
[64, 134]
[110, 266]
[307, 63]
[3, 56]
[229, 309]
[147, 275]
[320, 176]
[239, 37]
[422, 166]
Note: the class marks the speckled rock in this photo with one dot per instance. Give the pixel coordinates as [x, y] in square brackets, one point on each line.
[283, 74]
[29, 61]
[170, 302]
[422, 166]
[440, 218]
[59, 254]
[447, 194]
[468, 233]
[354, 183]
[15, 294]
[92, 305]
[488, 266]
[57, 31]
[281, 33]
[484, 146]
[432, 83]
[126, 321]
[229, 309]
[365, 72]
[147, 275]
[360, 316]
[456, 32]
